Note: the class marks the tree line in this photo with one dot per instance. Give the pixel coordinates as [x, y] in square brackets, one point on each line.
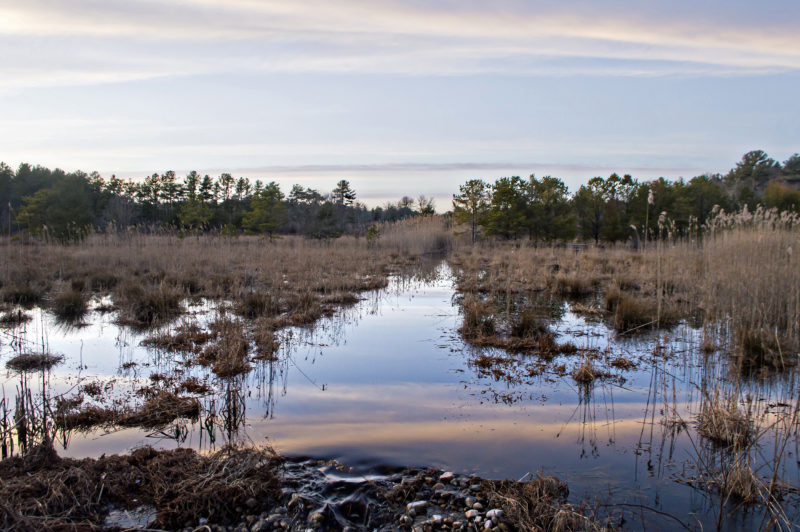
[620, 208]
[67, 206]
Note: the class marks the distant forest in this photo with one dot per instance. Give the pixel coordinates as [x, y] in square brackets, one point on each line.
[67, 206]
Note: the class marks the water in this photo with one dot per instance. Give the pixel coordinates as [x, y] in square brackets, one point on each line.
[388, 382]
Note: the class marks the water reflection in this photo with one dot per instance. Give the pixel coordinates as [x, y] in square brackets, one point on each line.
[387, 382]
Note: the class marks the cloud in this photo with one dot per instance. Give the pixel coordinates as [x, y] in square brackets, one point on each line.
[97, 41]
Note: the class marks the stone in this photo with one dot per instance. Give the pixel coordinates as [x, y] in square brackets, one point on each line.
[446, 477]
[436, 519]
[495, 513]
[296, 501]
[477, 506]
[251, 503]
[316, 517]
[438, 486]
[469, 501]
[261, 526]
[472, 513]
[487, 525]
[416, 506]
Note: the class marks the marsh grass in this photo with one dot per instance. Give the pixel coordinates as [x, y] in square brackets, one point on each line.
[41, 491]
[149, 304]
[160, 408]
[724, 423]
[540, 504]
[228, 355]
[31, 362]
[14, 318]
[69, 305]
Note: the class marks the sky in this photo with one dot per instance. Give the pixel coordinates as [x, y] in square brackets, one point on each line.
[399, 97]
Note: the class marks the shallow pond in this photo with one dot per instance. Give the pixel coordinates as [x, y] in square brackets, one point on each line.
[388, 383]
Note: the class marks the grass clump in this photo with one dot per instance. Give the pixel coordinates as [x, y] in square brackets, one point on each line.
[159, 410]
[723, 423]
[148, 304]
[528, 324]
[27, 362]
[22, 293]
[256, 304]
[573, 286]
[69, 305]
[760, 349]
[539, 504]
[188, 338]
[228, 356]
[478, 319]
[13, 318]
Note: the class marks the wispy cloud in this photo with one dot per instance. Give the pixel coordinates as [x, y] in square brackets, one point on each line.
[95, 41]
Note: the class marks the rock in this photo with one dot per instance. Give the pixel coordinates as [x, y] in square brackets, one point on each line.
[406, 520]
[458, 525]
[428, 480]
[469, 501]
[472, 513]
[477, 506]
[416, 506]
[436, 519]
[438, 486]
[478, 519]
[487, 525]
[296, 502]
[251, 503]
[495, 513]
[316, 517]
[446, 477]
[475, 487]
[261, 526]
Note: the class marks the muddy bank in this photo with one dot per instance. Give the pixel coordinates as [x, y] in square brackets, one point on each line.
[254, 490]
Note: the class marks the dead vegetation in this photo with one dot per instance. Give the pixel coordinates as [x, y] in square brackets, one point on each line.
[160, 408]
[69, 305]
[14, 318]
[42, 491]
[539, 504]
[29, 362]
[722, 422]
[292, 280]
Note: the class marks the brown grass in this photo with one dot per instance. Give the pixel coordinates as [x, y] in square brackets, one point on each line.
[539, 504]
[187, 338]
[228, 356]
[69, 305]
[41, 491]
[13, 318]
[160, 408]
[27, 362]
[149, 275]
[722, 422]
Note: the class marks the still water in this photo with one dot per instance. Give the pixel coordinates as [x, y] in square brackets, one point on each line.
[388, 383]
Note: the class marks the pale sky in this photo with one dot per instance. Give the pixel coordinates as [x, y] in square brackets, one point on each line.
[398, 97]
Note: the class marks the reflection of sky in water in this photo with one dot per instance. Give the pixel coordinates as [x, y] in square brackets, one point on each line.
[387, 382]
